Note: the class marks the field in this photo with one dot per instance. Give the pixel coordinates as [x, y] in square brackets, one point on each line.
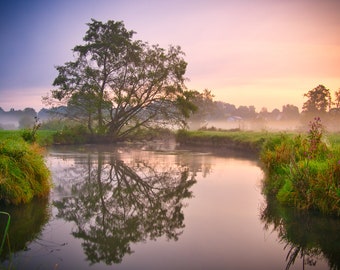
[44, 137]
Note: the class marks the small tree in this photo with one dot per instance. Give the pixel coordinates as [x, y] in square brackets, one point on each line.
[118, 85]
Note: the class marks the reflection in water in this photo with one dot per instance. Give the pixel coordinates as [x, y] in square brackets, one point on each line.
[111, 201]
[307, 235]
[27, 222]
[115, 203]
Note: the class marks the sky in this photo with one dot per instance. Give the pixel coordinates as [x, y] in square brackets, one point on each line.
[265, 53]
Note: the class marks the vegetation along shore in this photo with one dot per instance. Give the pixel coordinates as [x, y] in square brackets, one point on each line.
[301, 170]
[23, 172]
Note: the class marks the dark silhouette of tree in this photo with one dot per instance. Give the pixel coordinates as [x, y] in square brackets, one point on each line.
[319, 100]
[115, 204]
[290, 112]
[246, 112]
[205, 106]
[117, 85]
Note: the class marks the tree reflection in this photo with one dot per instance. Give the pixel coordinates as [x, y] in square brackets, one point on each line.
[117, 204]
[306, 235]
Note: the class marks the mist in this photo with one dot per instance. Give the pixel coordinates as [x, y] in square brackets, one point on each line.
[9, 122]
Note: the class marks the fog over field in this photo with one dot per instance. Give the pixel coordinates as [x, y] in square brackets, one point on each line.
[255, 125]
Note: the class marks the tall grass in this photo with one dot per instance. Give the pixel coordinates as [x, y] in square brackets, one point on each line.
[23, 173]
[303, 171]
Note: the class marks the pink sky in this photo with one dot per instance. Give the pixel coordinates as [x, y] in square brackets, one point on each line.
[264, 53]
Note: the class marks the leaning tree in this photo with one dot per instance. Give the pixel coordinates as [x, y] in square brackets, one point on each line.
[117, 84]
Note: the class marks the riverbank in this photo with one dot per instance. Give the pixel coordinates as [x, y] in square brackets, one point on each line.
[23, 172]
[301, 170]
[246, 141]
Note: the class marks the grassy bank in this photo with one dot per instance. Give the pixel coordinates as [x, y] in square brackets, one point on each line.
[43, 137]
[303, 173]
[302, 170]
[250, 141]
[23, 172]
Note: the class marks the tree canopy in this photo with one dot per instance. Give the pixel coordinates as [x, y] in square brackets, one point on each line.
[116, 84]
[319, 100]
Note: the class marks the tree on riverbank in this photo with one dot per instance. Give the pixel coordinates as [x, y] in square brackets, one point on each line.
[116, 84]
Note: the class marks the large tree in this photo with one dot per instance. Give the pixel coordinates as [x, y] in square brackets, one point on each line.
[118, 84]
[319, 100]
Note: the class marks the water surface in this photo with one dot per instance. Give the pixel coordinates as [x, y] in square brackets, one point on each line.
[120, 207]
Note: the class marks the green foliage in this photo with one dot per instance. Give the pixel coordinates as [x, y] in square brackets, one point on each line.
[76, 134]
[116, 85]
[284, 193]
[23, 173]
[303, 172]
[53, 124]
[29, 135]
[245, 140]
[319, 100]
[43, 137]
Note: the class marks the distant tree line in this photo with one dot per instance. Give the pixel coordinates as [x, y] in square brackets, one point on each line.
[319, 103]
[17, 119]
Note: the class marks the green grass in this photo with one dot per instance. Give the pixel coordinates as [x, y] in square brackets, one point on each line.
[44, 137]
[240, 140]
[23, 172]
[303, 175]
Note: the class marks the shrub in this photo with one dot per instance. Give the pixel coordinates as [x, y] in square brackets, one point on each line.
[29, 135]
[71, 135]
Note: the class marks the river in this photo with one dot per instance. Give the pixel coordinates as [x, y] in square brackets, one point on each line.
[162, 207]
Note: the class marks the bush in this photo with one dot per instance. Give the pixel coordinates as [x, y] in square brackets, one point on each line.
[29, 135]
[71, 135]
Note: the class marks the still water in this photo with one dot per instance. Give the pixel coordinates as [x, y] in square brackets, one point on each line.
[121, 207]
